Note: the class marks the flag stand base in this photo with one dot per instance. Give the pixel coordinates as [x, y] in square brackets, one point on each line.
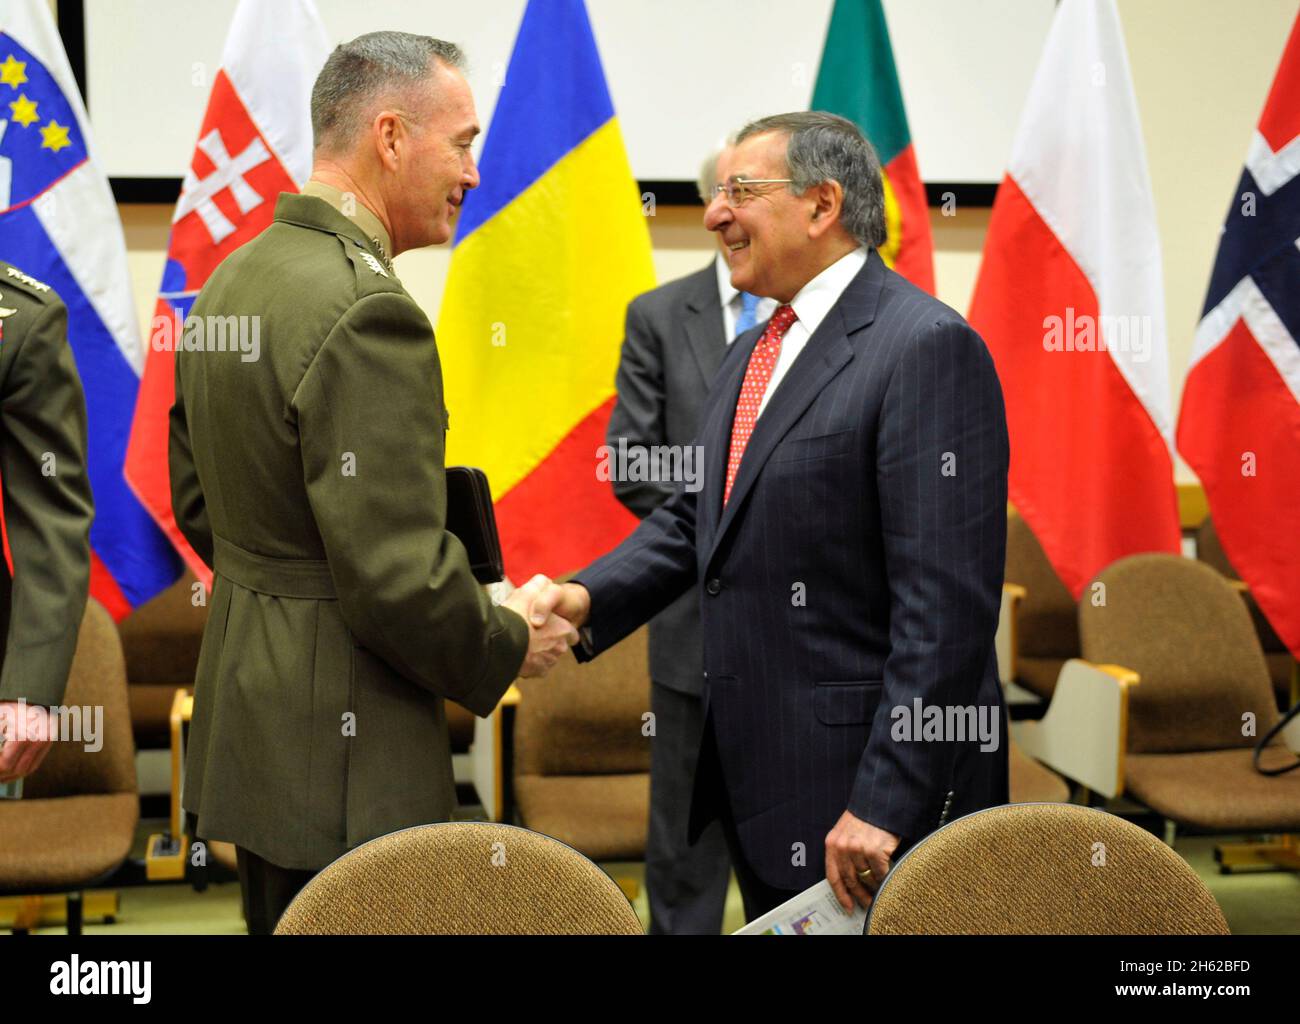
[1280, 854]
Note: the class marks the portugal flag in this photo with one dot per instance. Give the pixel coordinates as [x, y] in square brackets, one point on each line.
[550, 249]
[858, 80]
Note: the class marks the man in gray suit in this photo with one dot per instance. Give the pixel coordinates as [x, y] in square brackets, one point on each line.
[675, 339]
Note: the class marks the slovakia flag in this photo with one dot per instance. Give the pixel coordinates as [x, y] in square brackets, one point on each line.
[254, 143]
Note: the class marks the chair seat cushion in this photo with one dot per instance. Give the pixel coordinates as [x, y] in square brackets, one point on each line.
[1031, 783]
[64, 841]
[602, 816]
[1218, 790]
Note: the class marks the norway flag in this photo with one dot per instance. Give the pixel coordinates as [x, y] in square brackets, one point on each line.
[59, 224]
[1239, 426]
[254, 143]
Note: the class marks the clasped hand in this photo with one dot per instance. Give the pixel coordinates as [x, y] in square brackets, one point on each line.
[553, 612]
[23, 744]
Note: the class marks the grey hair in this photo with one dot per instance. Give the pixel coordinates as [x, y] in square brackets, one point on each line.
[357, 72]
[709, 171]
[826, 147]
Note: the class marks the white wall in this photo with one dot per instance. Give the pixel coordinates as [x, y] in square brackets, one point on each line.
[1201, 70]
[681, 73]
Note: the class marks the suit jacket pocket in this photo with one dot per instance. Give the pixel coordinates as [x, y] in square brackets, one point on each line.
[799, 449]
[848, 703]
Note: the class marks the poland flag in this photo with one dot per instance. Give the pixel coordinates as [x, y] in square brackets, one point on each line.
[1070, 302]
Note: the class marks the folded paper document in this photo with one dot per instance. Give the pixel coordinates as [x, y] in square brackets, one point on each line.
[814, 911]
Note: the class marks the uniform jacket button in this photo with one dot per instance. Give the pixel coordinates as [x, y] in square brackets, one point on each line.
[713, 587]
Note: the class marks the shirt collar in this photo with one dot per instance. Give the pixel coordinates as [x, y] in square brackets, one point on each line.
[725, 290]
[818, 296]
[359, 214]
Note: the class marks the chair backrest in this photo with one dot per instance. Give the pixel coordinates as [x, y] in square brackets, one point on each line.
[461, 878]
[96, 694]
[1209, 550]
[587, 719]
[161, 638]
[1047, 621]
[1185, 631]
[1043, 869]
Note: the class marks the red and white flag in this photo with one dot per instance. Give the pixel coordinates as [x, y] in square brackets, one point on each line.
[1070, 302]
[255, 142]
[1239, 426]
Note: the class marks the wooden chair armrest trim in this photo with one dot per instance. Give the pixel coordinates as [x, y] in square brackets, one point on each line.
[1084, 732]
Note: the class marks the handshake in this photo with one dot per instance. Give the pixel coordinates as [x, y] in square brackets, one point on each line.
[554, 612]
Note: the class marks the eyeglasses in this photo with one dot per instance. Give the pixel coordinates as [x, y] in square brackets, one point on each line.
[739, 190]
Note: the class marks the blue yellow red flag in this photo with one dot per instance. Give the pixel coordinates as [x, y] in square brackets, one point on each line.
[549, 250]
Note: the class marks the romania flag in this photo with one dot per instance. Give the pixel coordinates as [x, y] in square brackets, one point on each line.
[858, 80]
[549, 250]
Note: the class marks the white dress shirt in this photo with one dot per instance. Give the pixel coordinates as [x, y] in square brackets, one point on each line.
[731, 301]
[811, 305]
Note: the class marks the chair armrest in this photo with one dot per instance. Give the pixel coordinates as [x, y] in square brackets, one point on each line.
[1006, 641]
[488, 756]
[181, 713]
[1084, 732]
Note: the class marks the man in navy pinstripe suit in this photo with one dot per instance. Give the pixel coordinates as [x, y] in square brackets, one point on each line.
[847, 545]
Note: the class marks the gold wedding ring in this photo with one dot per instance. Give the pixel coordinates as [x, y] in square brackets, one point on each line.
[864, 875]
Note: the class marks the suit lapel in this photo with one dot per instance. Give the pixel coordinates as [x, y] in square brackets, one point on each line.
[715, 433]
[705, 331]
[826, 353]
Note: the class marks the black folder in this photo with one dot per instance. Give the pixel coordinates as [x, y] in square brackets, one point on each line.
[472, 519]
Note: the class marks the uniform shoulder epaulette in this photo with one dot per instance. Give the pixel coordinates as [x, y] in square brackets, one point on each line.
[22, 297]
[14, 280]
[373, 274]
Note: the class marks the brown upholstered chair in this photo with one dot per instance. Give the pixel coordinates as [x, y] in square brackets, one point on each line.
[1281, 666]
[1033, 783]
[581, 759]
[1185, 632]
[76, 821]
[1043, 869]
[1046, 626]
[460, 727]
[461, 878]
[161, 641]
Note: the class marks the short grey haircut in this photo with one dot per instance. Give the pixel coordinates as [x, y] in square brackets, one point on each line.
[826, 147]
[356, 73]
[709, 171]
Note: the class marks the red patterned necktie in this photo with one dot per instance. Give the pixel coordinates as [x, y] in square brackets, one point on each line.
[762, 361]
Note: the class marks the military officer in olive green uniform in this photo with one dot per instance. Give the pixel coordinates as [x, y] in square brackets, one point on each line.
[47, 510]
[311, 478]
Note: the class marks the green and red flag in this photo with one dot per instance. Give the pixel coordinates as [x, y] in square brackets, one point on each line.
[858, 80]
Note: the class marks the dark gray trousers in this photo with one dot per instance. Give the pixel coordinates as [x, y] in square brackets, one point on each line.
[686, 885]
[267, 890]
